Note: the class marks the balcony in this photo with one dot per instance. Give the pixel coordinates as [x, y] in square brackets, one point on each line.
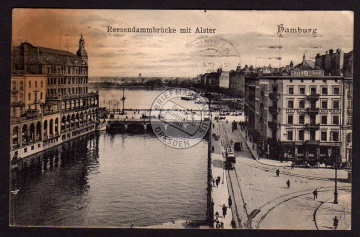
[274, 110]
[313, 96]
[32, 113]
[273, 125]
[312, 142]
[274, 96]
[50, 112]
[315, 126]
[312, 110]
[17, 104]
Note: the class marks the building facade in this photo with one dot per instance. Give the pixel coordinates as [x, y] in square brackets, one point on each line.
[300, 115]
[237, 81]
[50, 101]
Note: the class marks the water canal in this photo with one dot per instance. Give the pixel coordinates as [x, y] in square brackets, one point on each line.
[111, 180]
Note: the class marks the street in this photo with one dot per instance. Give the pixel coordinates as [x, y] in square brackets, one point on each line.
[263, 201]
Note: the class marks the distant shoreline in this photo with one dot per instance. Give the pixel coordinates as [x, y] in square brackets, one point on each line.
[97, 85]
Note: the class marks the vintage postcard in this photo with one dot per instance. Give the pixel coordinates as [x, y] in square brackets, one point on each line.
[181, 119]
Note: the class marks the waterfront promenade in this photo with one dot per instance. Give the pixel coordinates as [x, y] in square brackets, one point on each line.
[271, 205]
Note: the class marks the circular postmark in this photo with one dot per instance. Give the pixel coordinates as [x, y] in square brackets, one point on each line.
[213, 52]
[180, 118]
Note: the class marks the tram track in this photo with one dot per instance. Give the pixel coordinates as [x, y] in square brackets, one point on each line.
[234, 181]
[255, 218]
[236, 188]
[289, 197]
[267, 169]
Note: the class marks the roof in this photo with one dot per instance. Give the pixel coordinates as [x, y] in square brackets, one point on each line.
[306, 64]
[55, 52]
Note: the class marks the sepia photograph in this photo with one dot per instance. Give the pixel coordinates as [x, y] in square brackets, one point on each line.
[181, 119]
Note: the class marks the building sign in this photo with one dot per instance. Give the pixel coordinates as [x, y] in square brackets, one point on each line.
[295, 110]
[329, 110]
[307, 73]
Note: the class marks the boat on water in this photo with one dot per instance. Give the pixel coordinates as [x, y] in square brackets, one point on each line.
[101, 126]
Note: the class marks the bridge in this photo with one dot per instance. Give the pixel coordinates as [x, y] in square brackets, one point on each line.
[167, 120]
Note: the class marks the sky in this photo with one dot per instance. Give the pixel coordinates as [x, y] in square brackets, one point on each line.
[241, 38]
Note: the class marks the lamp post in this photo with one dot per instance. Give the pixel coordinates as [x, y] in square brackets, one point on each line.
[223, 175]
[336, 161]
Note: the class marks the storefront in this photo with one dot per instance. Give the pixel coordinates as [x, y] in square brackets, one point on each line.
[288, 150]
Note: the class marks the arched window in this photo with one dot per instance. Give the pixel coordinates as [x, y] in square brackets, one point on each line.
[41, 95]
[41, 84]
[29, 84]
[29, 96]
[35, 84]
[14, 85]
[21, 85]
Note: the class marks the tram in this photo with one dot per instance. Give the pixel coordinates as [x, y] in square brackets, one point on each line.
[230, 159]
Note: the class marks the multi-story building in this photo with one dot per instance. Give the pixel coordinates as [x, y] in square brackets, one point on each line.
[50, 102]
[299, 114]
[237, 81]
[211, 79]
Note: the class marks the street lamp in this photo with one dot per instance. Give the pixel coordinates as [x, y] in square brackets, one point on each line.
[223, 175]
[336, 161]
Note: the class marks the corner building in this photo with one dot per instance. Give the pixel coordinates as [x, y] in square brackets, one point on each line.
[50, 101]
[300, 115]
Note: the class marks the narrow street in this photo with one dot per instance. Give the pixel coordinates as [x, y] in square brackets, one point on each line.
[263, 201]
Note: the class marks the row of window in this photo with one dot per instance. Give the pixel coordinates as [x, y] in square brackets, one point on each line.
[63, 91]
[313, 90]
[21, 86]
[70, 70]
[324, 104]
[63, 80]
[324, 119]
[35, 96]
[78, 103]
[334, 135]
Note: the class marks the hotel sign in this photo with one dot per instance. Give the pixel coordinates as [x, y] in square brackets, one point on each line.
[307, 73]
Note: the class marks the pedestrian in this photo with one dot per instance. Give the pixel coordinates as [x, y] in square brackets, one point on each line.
[216, 216]
[233, 224]
[219, 178]
[217, 225]
[217, 183]
[288, 183]
[315, 194]
[213, 181]
[293, 165]
[336, 223]
[277, 173]
[230, 201]
[224, 209]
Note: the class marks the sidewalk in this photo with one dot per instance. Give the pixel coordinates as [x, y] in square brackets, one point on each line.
[328, 210]
[261, 160]
[220, 194]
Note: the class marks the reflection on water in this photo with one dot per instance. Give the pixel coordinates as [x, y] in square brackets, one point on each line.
[111, 180]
